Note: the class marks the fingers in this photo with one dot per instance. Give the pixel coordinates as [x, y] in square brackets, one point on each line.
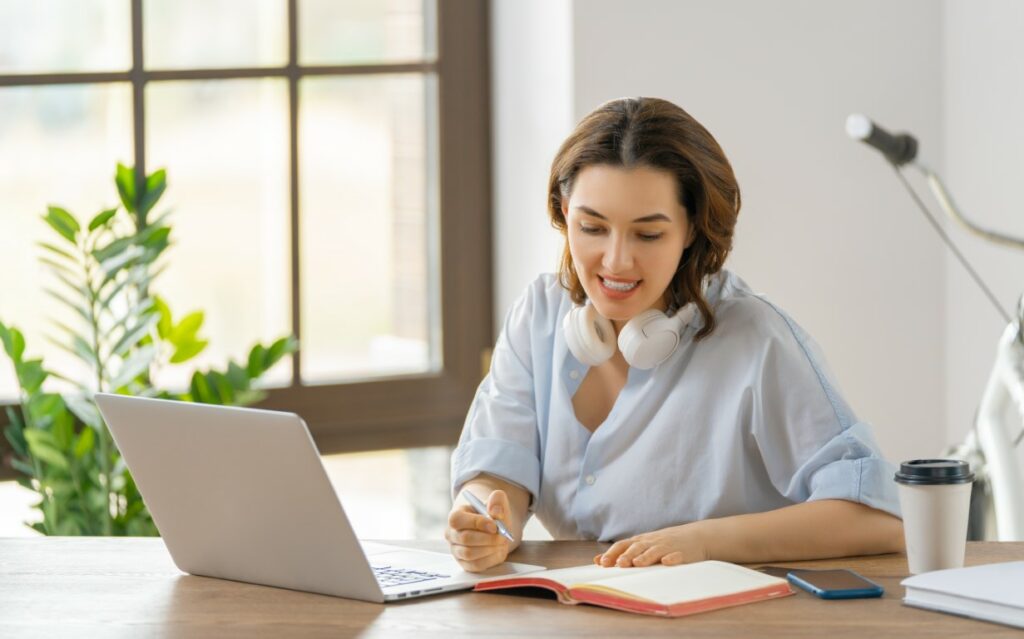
[673, 559]
[465, 518]
[612, 554]
[471, 537]
[497, 504]
[475, 553]
[633, 551]
[483, 563]
[474, 540]
[651, 556]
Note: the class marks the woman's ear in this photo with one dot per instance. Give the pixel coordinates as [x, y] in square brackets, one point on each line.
[565, 208]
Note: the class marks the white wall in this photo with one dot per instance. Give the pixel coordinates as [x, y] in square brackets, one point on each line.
[531, 98]
[984, 134]
[825, 230]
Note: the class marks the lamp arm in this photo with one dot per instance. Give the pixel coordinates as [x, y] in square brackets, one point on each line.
[938, 189]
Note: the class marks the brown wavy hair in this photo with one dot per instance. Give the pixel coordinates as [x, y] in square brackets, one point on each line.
[655, 133]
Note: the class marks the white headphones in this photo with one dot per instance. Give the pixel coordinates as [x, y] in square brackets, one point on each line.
[645, 341]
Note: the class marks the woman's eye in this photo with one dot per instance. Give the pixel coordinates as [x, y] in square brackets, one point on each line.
[590, 230]
[650, 237]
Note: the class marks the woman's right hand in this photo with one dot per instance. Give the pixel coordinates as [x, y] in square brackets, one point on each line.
[474, 539]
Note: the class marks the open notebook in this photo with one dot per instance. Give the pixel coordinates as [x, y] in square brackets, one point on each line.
[671, 591]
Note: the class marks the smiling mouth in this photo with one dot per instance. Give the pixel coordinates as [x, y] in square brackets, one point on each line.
[619, 286]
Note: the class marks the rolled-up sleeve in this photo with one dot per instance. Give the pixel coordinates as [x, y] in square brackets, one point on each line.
[500, 435]
[812, 445]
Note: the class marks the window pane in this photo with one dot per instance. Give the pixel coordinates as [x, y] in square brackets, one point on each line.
[16, 510]
[215, 33]
[65, 35]
[225, 147]
[58, 145]
[362, 31]
[368, 187]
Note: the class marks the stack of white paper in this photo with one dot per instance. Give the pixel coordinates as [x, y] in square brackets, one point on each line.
[993, 592]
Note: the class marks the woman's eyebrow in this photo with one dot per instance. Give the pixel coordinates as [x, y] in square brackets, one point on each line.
[653, 217]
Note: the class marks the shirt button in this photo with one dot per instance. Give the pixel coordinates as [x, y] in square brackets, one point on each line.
[590, 479]
[574, 374]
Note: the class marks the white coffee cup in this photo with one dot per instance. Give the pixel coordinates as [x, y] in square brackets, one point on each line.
[935, 497]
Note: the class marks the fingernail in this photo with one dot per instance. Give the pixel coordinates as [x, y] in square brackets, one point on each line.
[496, 512]
[491, 528]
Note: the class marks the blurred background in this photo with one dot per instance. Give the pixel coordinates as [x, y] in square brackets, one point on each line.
[334, 167]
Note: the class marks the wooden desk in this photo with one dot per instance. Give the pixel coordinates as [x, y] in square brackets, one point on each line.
[95, 587]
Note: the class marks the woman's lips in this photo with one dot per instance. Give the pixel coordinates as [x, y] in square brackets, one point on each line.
[616, 294]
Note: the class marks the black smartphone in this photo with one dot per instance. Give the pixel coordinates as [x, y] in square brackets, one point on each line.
[834, 584]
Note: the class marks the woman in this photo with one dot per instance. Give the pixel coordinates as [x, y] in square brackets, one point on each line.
[734, 444]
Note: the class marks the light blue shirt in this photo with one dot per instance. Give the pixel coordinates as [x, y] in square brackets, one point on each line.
[747, 420]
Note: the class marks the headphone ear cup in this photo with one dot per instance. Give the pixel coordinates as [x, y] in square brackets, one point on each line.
[590, 337]
[649, 338]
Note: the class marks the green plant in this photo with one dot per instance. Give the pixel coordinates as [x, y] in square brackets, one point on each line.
[122, 334]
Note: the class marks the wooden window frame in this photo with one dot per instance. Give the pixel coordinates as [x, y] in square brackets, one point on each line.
[386, 412]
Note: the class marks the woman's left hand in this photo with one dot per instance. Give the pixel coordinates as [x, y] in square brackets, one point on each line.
[670, 546]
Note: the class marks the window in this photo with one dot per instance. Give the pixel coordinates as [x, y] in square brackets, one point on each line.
[328, 176]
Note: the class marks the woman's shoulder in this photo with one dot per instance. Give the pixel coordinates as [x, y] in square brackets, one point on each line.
[540, 304]
[544, 294]
[742, 312]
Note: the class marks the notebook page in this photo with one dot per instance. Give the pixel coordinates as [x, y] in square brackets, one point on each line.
[578, 575]
[1000, 583]
[688, 582]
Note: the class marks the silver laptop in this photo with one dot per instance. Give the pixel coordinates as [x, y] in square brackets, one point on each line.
[242, 494]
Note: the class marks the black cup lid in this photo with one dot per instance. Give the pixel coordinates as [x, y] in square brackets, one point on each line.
[934, 471]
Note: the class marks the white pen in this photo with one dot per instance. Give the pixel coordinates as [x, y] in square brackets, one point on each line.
[478, 506]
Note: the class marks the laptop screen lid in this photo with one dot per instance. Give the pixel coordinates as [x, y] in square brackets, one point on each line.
[240, 494]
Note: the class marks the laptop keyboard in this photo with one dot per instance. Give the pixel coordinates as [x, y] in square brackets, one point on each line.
[388, 576]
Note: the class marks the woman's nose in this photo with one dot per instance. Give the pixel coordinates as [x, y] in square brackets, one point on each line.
[618, 257]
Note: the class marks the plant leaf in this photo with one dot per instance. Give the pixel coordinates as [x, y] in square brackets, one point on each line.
[200, 389]
[125, 180]
[133, 335]
[77, 288]
[279, 349]
[22, 467]
[247, 397]
[84, 443]
[58, 251]
[156, 183]
[136, 277]
[137, 364]
[31, 375]
[63, 222]
[187, 350]
[256, 357]
[102, 218]
[58, 267]
[43, 448]
[222, 386]
[62, 427]
[164, 326]
[81, 310]
[238, 376]
[14, 342]
[43, 404]
[84, 410]
[81, 348]
[187, 328]
[114, 247]
[114, 265]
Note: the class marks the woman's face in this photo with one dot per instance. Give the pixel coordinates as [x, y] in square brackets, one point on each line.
[627, 232]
